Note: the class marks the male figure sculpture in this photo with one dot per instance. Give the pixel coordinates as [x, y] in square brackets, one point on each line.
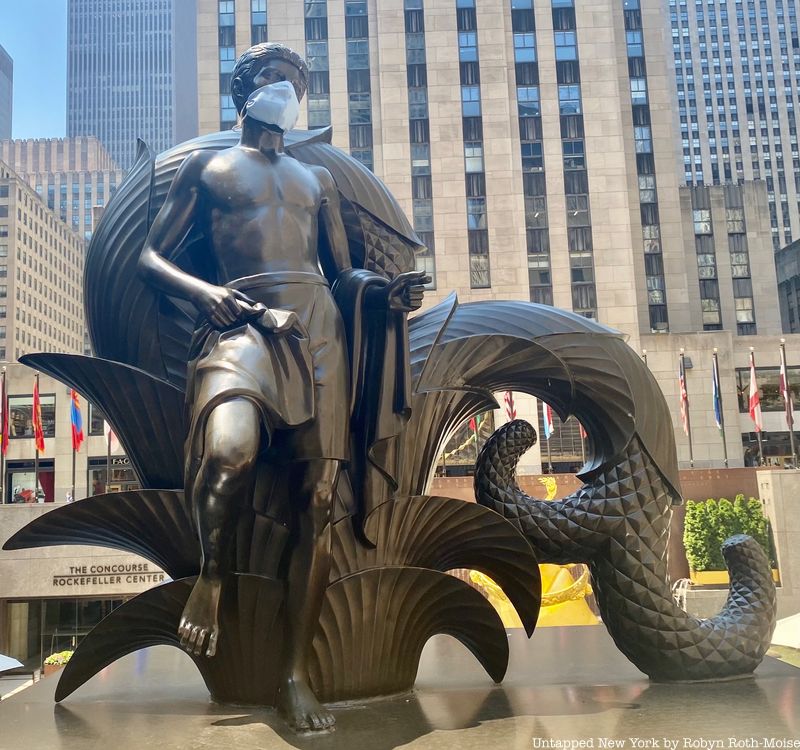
[269, 368]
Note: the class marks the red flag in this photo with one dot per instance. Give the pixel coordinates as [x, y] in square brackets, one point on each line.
[38, 430]
[684, 396]
[111, 436]
[472, 425]
[583, 432]
[5, 416]
[755, 399]
[785, 392]
[511, 411]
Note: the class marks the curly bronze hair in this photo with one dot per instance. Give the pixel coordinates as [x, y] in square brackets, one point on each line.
[247, 66]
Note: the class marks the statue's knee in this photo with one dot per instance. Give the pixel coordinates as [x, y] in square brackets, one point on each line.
[322, 500]
[229, 464]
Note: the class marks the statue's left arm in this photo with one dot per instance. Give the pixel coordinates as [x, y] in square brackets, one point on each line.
[334, 251]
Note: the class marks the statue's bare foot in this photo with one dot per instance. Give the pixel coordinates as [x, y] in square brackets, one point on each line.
[199, 626]
[301, 709]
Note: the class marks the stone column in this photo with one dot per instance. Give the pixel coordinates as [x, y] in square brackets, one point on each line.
[780, 490]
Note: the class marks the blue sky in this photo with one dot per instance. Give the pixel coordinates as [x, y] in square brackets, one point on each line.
[34, 33]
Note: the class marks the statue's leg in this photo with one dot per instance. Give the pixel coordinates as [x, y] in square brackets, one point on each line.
[309, 568]
[219, 491]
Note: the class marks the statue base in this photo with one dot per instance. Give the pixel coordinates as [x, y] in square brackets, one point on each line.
[568, 683]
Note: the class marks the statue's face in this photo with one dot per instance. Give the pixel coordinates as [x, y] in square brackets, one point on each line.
[273, 71]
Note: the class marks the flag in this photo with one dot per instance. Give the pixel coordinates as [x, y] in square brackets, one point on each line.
[511, 411]
[684, 396]
[38, 429]
[77, 421]
[548, 422]
[715, 392]
[755, 400]
[582, 431]
[111, 438]
[785, 392]
[5, 416]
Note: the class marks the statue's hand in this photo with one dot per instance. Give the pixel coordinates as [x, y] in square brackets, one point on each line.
[404, 293]
[221, 306]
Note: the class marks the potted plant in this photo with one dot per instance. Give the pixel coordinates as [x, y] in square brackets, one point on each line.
[708, 524]
[56, 661]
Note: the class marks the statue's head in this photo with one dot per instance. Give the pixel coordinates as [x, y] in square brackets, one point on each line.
[267, 63]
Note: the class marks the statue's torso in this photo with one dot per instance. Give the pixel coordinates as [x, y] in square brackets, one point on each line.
[261, 214]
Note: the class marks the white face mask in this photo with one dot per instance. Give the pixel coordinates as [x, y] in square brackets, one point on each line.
[275, 104]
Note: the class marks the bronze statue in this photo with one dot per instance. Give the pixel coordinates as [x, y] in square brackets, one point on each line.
[269, 368]
[315, 420]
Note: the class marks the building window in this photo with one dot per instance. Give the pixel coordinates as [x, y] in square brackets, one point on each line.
[638, 91]
[20, 409]
[566, 46]
[471, 101]
[528, 101]
[524, 48]
[569, 99]
[768, 388]
[702, 221]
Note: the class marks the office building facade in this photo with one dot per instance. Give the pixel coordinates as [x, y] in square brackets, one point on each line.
[49, 601]
[787, 266]
[535, 146]
[41, 275]
[72, 176]
[737, 71]
[6, 93]
[123, 81]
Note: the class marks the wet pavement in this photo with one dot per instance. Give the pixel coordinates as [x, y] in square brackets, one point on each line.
[567, 688]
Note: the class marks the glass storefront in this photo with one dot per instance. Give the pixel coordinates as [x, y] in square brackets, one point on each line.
[122, 479]
[20, 482]
[33, 629]
[776, 447]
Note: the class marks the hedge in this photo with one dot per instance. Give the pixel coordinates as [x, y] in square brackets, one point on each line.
[708, 524]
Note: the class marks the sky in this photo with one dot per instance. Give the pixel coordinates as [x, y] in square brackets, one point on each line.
[34, 33]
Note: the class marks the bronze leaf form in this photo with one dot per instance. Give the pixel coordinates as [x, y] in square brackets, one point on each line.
[374, 625]
[372, 630]
[147, 413]
[156, 524]
[245, 669]
[443, 533]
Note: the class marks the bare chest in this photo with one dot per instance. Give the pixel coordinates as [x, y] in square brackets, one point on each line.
[250, 185]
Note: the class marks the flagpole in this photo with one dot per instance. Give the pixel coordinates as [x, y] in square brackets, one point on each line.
[108, 461]
[715, 365]
[789, 404]
[549, 457]
[73, 468]
[758, 427]
[686, 407]
[36, 458]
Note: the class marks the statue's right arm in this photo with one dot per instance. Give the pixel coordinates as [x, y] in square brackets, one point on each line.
[170, 227]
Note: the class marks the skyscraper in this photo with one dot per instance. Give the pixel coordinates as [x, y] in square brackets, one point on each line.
[73, 176]
[121, 74]
[6, 93]
[41, 275]
[737, 69]
[534, 144]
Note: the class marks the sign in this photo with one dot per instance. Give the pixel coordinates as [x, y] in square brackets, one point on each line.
[107, 574]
